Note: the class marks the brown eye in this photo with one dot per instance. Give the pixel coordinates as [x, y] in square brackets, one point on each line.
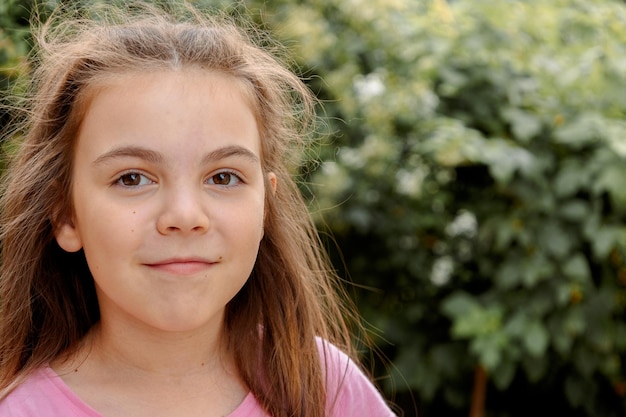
[225, 179]
[133, 179]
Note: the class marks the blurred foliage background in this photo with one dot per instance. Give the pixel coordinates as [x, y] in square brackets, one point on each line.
[472, 171]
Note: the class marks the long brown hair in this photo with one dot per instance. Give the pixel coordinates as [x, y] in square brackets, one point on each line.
[47, 297]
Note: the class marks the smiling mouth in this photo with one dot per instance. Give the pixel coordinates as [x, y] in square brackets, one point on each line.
[182, 267]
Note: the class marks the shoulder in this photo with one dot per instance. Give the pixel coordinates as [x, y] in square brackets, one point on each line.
[43, 394]
[349, 391]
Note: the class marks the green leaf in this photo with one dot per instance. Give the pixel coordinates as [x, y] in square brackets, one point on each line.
[603, 240]
[516, 325]
[582, 131]
[554, 238]
[570, 178]
[469, 318]
[509, 274]
[503, 374]
[536, 268]
[611, 180]
[615, 131]
[459, 304]
[536, 339]
[575, 323]
[577, 268]
[504, 158]
[452, 144]
[574, 210]
[489, 348]
[523, 124]
[478, 321]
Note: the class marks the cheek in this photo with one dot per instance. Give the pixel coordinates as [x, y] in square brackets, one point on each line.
[107, 232]
[247, 223]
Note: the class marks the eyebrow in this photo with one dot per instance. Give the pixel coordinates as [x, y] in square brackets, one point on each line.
[230, 151]
[156, 157]
[129, 152]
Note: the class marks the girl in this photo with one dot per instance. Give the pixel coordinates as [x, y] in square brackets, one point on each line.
[157, 258]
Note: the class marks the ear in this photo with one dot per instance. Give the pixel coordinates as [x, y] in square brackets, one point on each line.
[273, 181]
[67, 236]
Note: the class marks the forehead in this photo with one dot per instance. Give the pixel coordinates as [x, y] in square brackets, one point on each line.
[191, 76]
[132, 105]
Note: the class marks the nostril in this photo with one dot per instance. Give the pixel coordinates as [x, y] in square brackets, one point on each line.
[182, 211]
[184, 222]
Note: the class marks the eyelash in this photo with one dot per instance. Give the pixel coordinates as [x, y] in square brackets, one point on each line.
[211, 180]
[231, 173]
[142, 177]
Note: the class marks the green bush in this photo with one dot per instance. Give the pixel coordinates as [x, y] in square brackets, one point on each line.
[476, 176]
[13, 46]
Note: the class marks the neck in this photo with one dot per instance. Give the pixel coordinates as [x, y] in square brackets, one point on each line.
[156, 372]
[136, 351]
[155, 353]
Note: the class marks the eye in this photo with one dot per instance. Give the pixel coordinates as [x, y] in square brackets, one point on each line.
[133, 179]
[225, 178]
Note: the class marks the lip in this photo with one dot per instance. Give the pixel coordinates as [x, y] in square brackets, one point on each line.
[182, 266]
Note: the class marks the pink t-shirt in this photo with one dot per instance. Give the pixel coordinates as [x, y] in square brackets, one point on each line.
[351, 394]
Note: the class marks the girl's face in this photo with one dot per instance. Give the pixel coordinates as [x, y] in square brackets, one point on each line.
[168, 196]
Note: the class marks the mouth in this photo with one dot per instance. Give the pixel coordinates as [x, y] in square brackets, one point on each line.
[182, 266]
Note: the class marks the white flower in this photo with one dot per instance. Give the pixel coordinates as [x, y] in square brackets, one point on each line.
[465, 224]
[442, 270]
[368, 86]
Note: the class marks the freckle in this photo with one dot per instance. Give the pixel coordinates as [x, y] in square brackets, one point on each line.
[132, 230]
[202, 364]
[76, 370]
[219, 259]
[134, 211]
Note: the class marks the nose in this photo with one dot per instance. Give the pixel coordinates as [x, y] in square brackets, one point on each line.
[183, 211]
